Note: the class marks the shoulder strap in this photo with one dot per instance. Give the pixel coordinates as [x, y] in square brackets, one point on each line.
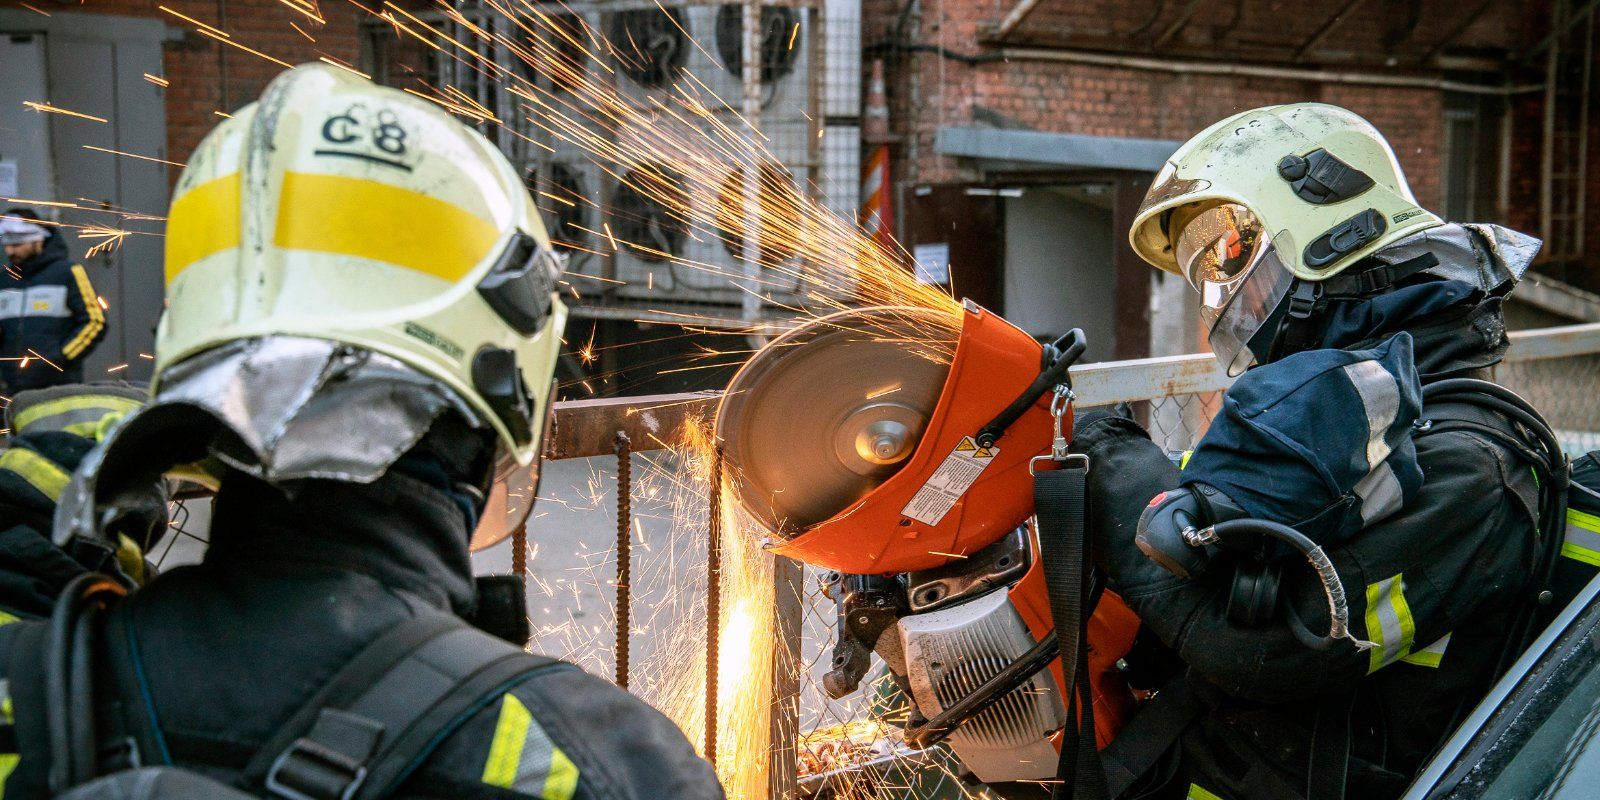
[25, 672]
[385, 712]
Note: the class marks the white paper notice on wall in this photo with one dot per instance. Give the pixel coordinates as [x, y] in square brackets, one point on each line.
[8, 177]
[933, 262]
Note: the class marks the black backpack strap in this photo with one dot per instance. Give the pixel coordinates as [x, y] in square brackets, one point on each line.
[25, 672]
[132, 735]
[371, 726]
[1150, 735]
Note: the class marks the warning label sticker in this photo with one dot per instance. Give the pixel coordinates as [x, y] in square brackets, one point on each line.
[951, 480]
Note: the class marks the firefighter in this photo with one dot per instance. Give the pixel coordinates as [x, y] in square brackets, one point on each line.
[1297, 229]
[50, 316]
[50, 432]
[358, 348]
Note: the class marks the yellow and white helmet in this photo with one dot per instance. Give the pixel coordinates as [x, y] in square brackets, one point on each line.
[340, 210]
[1321, 182]
[346, 262]
[1269, 203]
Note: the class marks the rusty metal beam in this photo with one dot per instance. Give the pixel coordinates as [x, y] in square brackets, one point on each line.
[1184, 15]
[1459, 28]
[1326, 29]
[587, 428]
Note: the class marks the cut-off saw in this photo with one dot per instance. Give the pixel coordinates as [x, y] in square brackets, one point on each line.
[897, 448]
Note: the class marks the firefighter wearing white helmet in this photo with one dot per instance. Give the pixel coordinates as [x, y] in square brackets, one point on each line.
[359, 343]
[1318, 272]
[1269, 212]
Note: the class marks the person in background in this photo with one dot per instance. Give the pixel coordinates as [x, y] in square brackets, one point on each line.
[50, 316]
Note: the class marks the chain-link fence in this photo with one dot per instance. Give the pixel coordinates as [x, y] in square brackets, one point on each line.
[846, 747]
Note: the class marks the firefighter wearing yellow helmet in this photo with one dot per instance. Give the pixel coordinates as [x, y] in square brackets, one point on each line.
[1319, 273]
[1269, 212]
[361, 331]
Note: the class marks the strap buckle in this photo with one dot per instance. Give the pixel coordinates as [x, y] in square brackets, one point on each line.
[329, 762]
[1058, 442]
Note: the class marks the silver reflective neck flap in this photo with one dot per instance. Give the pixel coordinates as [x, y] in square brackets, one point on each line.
[1483, 255]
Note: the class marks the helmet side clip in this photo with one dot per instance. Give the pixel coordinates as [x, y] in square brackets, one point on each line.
[1320, 178]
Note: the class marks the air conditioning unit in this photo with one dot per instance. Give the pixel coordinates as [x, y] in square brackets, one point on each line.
[653, 235]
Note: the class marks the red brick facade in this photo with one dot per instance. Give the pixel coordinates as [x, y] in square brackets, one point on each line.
[928, 90]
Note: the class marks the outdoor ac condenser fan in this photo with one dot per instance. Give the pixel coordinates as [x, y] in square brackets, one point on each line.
[780, 213]
[651, 45]
[567, 220]
[779, 40]
[641, 216]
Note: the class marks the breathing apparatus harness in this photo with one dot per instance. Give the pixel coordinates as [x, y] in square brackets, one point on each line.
[1308, 300]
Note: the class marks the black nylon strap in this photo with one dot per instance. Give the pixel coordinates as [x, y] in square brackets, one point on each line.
[1059, 501]
[360, 673]
[1330, 747]
[1141, 743]
[1378, 278]
[388, 709]
[477, 668]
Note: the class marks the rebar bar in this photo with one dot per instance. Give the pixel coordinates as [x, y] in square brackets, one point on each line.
[624, 448]
[713, 598]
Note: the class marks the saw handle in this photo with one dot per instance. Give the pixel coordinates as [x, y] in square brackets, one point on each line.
[1058, 357]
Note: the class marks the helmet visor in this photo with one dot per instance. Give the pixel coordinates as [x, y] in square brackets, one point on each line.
[1236, 331]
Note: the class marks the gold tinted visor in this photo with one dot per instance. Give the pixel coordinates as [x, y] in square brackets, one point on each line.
[1215, 251]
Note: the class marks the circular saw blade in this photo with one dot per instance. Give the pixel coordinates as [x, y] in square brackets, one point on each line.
[825, 413]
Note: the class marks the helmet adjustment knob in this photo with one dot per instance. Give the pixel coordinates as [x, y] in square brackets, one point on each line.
[1292, 168]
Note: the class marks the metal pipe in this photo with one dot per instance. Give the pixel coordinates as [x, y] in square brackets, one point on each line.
[750, 49]
[1557, 31]
[1014, 18]
[1547, 143]
[1250, 70]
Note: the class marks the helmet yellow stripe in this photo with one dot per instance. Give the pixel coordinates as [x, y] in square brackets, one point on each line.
[381, 222]
[205, 220]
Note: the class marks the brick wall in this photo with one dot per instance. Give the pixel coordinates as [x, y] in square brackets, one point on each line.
[1113, 101]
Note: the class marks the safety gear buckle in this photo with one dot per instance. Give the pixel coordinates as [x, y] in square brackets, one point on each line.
[1062, 398]
[312, 768]
[1303, 301]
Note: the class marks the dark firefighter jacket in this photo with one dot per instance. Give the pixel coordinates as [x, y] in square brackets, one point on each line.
[1434, 585]
[290, 591]
[49, 314]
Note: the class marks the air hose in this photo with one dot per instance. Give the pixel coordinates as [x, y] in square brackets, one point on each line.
[1338, 606]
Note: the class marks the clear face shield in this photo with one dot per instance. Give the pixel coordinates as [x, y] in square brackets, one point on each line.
[1229, 259]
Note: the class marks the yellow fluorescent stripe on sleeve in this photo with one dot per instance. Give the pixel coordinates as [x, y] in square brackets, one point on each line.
[106, 402]
[505, 750]
[1430, 656]
[1198, 792]
[97, 317]
[1184, 462]
[563, 781]
[8, 765]
[1582, 540]
[48, 478]
[205, 220]
[376, 221]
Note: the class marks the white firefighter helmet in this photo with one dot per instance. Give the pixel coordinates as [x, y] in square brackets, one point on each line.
[1304, 170]
[344, 262]
[1267, 197]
